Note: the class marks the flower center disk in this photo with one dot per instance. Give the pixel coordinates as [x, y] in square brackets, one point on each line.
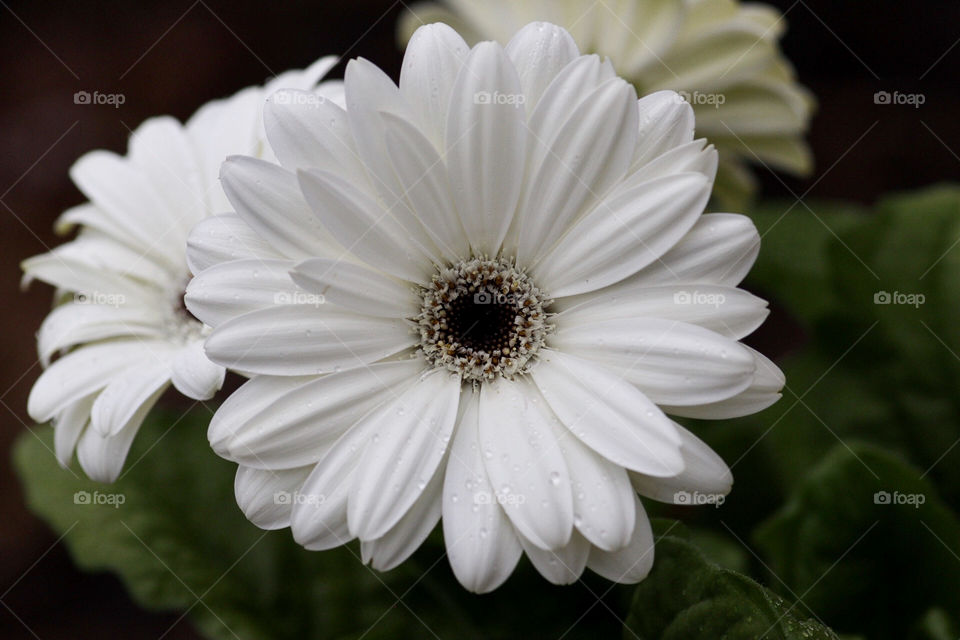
[482, 319]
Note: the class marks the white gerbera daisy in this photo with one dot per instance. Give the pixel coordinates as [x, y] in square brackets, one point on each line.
[477, 296]
[119, 322]
[723, 56]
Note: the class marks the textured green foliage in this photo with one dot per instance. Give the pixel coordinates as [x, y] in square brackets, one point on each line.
[869, 543]
[179, 542]
[868, 370]
[686, 597]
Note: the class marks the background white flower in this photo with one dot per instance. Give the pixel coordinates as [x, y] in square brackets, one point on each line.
[723, 57]
[475, 296]
[119, 319]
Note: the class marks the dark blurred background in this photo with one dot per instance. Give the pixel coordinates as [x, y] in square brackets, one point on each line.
[170, 57]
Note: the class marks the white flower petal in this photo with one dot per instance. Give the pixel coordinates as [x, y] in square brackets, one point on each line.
[609, 414]
[485, 143]
[565, 93]
[426, 185]
[252, 397]
[602, 496]
[574, 169]
[298, 424]
[266, 496]
[268, 199]
[696, 156]
[369, 92]
[230, 289]
[763, 391]
[623, 234]
[162, 151]
[319, 520]
[132, 204]
[638, 34]
[309, 131]
[670, 362]
[102, 457]
[524, 462]
[302, 78]
[74, 323]
[65, 271]
[632, 563]
[194, 375]
[222, 128]
[481, 544]
[563, 96]
[421, 14]
[563, 565]
[224, 238]
[120, 400]
[705, 473]
[363, 227]
[716, 59]
[84, 371]
[68, 426]
[433, 59]
[407, 439]
[757, 108]
[666, 121]
[540, 51]
[302, 340]
[357, 288]
[392, 548]
[99, 247]
[731, 312]
[719, 249]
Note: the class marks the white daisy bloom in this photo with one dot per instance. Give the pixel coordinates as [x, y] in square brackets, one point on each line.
[476, 296]
[723, 56]
[119, 325]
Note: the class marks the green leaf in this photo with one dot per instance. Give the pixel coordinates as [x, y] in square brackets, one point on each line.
[868, 542]
[912, 355]
[686, 597]
[792, 267]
